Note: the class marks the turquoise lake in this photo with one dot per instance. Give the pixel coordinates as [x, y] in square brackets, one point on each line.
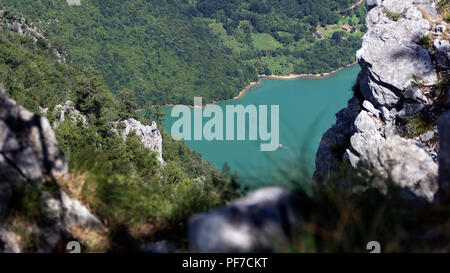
[307, 108]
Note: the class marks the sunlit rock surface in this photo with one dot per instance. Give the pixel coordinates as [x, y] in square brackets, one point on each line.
[261, 222]
[394, 90]
[149, 134]
[30, 165]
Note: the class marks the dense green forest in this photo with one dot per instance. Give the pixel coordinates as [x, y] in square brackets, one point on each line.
[167, 51]
[114, 174]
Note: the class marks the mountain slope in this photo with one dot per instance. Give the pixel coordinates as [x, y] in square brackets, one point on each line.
[170, 51]
[108, 174]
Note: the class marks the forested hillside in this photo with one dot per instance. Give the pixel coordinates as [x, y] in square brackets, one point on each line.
[112, 174]
[168, 51]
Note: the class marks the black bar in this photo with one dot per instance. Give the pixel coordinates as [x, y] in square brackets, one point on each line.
[129, 263]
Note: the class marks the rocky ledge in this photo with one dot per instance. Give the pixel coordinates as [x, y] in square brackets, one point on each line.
[150, 135]
[390, 125]
[31, 165]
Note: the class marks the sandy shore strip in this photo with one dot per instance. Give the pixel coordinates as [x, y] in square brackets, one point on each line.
[253, 85]
[306, 76]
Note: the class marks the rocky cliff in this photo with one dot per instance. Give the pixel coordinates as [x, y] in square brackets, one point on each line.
[390, 126]
[150, 135]
[24, 27]
[35, 213]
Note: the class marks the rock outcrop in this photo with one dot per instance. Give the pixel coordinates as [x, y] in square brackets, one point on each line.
[28, 147]
[149, 134]
[23, 27]
[390, 123]
[261, 222]
[31, 164]
[68, 111]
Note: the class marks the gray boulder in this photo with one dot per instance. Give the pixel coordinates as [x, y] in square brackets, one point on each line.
[261, 222]
[8, 242]
[68, 212]
[77, 215]
[30, 160]
[28, 147]
[405, 164]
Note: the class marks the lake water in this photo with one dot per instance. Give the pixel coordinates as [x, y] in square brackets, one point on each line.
[307, 108]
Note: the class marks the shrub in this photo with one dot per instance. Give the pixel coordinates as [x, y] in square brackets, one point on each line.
[420, 124]
[426, 41]
[392, 15]
[444, 9]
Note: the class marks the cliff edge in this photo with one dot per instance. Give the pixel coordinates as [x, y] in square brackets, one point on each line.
[390, 125]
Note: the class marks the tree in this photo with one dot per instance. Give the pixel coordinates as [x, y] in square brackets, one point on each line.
[337, 36]
[155, 113]
[148, 113]
[260, 6]
[90, 93]
[128, 104]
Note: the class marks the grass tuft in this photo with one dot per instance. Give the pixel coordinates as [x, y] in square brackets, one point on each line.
[392, 15]
[420, 124]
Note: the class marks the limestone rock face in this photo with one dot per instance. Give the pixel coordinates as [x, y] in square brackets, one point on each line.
[429, 6]
[261, 222]
[28, 147]
[150, 135]
[336, 137]
[67, 111]
[397, 74]
[443, 52]
[406, 163]
[31, 162]
[390, 56]
[373, 3]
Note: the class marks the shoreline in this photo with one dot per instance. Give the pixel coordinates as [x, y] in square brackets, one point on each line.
[307, 76]
[262, 78]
